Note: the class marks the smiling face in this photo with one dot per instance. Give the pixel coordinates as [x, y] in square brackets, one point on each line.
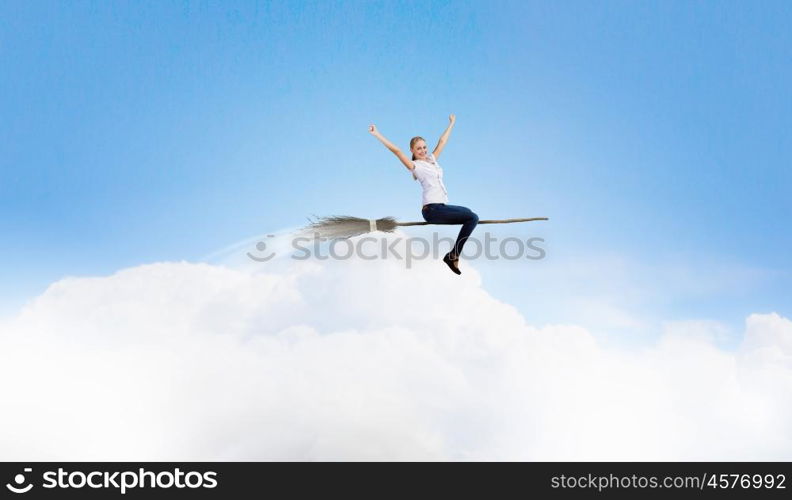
[419, 149]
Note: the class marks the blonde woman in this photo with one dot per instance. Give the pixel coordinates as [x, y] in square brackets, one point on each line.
[426, 170]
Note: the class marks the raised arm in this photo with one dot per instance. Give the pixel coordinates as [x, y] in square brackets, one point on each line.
[388, 144]
[444, 138]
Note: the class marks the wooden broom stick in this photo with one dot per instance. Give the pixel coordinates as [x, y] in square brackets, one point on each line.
[489, 221]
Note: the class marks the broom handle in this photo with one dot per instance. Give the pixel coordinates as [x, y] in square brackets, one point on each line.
[501, 221]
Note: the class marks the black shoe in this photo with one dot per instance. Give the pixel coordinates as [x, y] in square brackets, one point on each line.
[450, 262]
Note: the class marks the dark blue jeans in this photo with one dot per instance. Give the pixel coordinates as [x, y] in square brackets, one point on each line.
[440, 213]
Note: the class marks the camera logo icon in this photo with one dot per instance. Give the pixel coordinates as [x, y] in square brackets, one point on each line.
[19, 481]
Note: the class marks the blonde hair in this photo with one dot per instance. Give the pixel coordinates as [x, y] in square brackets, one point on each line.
[413, 141]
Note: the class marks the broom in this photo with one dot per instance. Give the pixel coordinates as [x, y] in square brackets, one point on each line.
[343, 226]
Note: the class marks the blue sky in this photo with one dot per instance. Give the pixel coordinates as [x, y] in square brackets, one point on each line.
[153, 131]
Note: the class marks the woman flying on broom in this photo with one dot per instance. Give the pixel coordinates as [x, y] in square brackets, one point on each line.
[427, 171]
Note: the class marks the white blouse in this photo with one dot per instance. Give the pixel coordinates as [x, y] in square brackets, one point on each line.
[430, 175]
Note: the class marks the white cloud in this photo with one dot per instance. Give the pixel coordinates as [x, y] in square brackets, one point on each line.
[368, 360]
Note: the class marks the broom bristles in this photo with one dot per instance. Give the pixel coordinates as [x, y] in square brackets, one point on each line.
[344, 226]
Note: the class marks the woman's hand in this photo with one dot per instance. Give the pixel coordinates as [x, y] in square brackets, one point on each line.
[392, 147]
[444, 138]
